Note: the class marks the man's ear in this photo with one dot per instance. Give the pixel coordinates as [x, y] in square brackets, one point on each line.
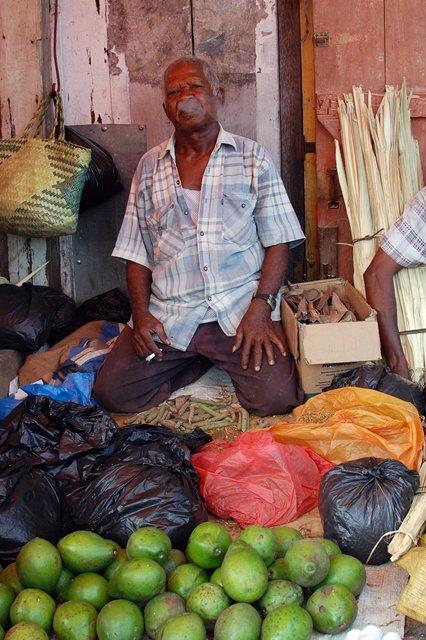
[220, 95]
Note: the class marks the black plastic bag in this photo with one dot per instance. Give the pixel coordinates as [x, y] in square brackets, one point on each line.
[29, 507]
[378, 377]
[102, 176]
[32, 315]
[97, 465]
[113, 305]
[148, 481]
[361, 500]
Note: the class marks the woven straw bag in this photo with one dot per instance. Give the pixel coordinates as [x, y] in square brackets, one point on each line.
[41, 180]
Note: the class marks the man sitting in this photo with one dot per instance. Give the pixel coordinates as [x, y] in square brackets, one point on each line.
[206, 238]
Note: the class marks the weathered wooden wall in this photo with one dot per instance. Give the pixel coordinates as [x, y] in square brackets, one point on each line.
[112, 54]
[23, 48]
[117, 75]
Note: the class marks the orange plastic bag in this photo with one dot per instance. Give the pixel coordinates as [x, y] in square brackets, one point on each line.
[350, 423]
[256, 480]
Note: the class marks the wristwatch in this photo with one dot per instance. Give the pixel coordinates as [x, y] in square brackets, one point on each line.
[268, 298]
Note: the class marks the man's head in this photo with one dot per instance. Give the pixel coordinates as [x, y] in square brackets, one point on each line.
[192, 94]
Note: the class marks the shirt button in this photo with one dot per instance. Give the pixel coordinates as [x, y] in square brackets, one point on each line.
[186, 213]
[205, 268]
[243, 205]
[209, 298]
[178, 182]
[201, 233]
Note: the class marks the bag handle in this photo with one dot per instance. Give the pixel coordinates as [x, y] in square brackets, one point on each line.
[58, 127]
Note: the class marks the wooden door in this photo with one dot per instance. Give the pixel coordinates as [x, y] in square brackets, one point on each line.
[371, 44]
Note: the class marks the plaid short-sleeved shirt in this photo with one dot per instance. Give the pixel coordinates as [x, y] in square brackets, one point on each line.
[405, 241]
[216, 262]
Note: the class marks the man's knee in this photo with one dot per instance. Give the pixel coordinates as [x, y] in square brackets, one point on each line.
[273, 399]
[107, 391]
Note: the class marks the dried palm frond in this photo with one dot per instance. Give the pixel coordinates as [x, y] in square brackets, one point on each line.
[379, 172]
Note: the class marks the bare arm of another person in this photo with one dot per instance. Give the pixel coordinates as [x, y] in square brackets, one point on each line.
[256, 332]
[145, 324]
[381, 295]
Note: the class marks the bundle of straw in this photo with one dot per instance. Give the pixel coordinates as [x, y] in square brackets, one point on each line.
[379, 172]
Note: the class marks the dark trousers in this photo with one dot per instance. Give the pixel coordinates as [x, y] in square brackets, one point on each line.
[126, 383]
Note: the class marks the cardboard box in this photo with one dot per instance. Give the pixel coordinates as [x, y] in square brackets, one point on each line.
[322, 350]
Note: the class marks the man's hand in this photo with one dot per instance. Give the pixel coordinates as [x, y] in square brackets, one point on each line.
[256, 333]
[144, 326]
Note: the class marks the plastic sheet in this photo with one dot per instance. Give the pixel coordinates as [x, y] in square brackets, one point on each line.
[148, 481]
[256, 480]
[378, 377]
[29, 507]
[77, 388]
[32, 315]
[113, 305]
[350, 423]
[362, 500]
[110, 480]
[102, 177]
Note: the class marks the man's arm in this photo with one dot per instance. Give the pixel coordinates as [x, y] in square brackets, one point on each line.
[256, 332]
[139, 280]
[381, 295]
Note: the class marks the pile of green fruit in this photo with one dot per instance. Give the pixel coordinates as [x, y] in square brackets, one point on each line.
[270, 584]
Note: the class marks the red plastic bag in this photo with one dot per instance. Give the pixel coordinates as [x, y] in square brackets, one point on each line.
[256, 480]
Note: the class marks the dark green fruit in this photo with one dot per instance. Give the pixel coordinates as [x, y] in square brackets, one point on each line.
[65, 579]
[185, 577]
[244, 574]
[175, 559]
[151, 543]
[208, 600]
[186, 626]
[216, 577]
[277, 570]
[348, 571]
[9, 577]
[332, 608]
[160, 609]
[75, 621]
[7, 596]
[207, 545]
[89, 587]
[39, 565]
[120, 620]
[137, 580]
[33, 605]
[86, 552]
[120, 559]
[288, 622]
[262, 540]
[306, 563]
[240, 621]
[285, 536]
[26, 631]
[280, 592]
[330, 547]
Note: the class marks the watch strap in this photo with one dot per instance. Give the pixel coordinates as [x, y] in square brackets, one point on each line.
[268, 298]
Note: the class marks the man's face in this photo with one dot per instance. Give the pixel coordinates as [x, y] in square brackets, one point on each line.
[189, 101]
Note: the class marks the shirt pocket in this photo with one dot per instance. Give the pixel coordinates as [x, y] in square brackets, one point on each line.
[238, 225]
[166, 233]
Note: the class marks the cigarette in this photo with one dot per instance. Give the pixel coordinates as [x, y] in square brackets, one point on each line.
[151, 357]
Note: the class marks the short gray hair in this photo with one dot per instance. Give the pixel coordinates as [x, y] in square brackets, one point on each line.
[209, 73]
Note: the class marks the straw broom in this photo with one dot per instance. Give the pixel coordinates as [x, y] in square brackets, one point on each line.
[381, 155]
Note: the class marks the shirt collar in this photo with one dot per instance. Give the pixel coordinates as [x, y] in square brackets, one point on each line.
[224, 137]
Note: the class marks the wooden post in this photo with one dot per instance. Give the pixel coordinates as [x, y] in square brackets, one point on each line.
[328, 251]
[309, 123]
